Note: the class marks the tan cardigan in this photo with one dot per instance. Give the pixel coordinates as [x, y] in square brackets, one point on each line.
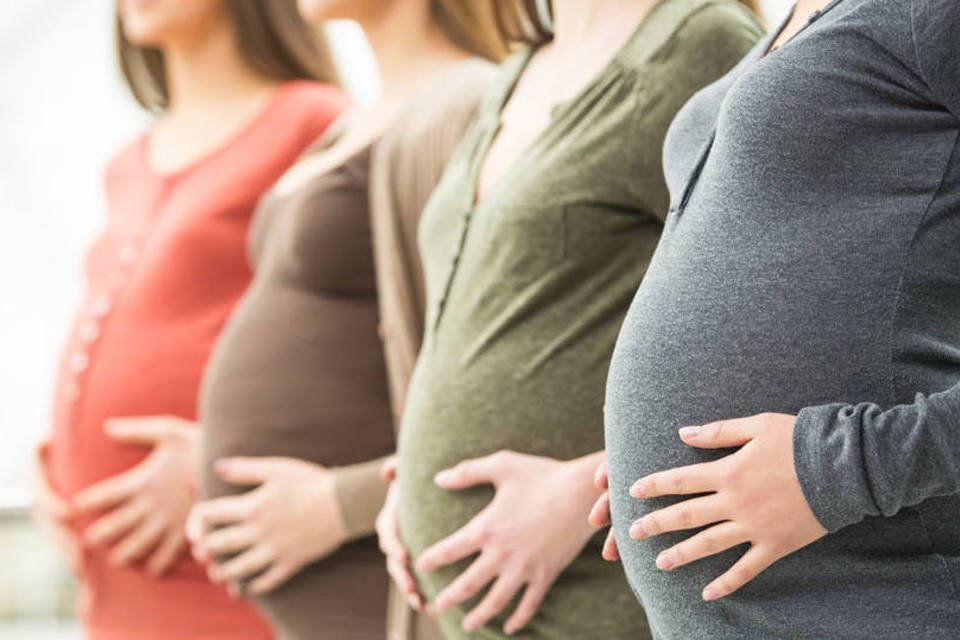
[406, 164]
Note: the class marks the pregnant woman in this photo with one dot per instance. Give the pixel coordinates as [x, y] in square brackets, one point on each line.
[533, 243]
[233, 86]
[296, 405]
[809, 277]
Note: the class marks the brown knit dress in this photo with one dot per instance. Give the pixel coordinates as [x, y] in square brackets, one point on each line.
[299, 372]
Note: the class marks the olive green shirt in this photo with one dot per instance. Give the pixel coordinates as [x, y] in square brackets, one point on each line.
[526, 292]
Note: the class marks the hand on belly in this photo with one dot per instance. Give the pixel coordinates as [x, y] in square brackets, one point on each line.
[270, 533]
[750, 496]
[143, 510]
[535, 526]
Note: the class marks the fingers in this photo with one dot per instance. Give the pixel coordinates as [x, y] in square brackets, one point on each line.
[462, 543]
[219, 511]
[696, 478]
[243, 566]
[473, 472]
[398, 558]
[600, 513]
[107, 493]
[270, 579]
[401, 575]
[227, 540]
[47, 502]
[167, 553]
[247, 471]
[689, 514]
[68, 544]
[610, 551]
[147, 431]
[722, 434]
[469, 583]
[137, 543]
[116, 523]
[496, 600]
[600, 479]
[706, 543]
[743, 571]
[388, 470]
[529, 605]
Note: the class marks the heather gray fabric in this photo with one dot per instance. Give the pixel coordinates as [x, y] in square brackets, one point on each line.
[811, 263]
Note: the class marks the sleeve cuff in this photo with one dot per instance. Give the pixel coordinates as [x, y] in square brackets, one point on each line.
[827, 457]
[360, 494]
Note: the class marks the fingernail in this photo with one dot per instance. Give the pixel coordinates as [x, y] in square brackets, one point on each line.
[638, 490]
[710, 593]
[469, 626]
[689, 432]
[443, 476]
[510, 629]
[664, 561]
[637, 531]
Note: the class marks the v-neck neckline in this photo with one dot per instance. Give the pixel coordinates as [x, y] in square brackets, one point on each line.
[557, 113]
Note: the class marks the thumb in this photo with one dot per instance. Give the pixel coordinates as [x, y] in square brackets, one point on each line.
[469, 473]
[720, 435]
[247, 471]
[138, 430]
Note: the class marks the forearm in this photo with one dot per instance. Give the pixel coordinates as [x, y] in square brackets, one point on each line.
[855, 461]
[360, 495]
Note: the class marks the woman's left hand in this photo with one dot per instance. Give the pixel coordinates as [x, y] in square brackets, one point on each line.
[534, 527]
[291, 519]
[753, 496]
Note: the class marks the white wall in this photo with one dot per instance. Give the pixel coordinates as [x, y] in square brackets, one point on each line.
[62, 112]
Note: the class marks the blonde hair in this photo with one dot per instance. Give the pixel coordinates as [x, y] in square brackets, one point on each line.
[272, 38]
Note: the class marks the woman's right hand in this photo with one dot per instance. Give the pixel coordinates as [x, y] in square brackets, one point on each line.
[600, 514]
[53, 513]
[388, 531]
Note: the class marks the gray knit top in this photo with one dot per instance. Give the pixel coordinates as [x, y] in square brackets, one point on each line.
[810, 264]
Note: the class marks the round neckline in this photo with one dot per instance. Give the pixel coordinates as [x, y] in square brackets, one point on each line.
[243, 131]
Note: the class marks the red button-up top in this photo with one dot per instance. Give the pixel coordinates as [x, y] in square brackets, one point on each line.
[161, 282]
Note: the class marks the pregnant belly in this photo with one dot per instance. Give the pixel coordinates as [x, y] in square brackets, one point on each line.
[475, 411]
[451, 417]
[302, 380]
[688, 358]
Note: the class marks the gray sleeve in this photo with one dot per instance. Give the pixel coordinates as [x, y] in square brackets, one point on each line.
[855, 461]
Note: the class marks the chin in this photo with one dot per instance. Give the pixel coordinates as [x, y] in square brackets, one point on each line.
[154, 23]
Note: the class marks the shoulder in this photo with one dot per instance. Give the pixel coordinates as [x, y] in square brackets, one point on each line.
[454, 95]
[127, 161]
[691, 31]
[310, 106]
[716, 27]
[440, 114]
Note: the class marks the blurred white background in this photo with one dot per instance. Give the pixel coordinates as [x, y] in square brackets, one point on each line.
[63, 111]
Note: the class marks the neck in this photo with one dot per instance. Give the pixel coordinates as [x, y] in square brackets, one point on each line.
[576, 22]
[806, 7]
[209, 70]
[409, 47]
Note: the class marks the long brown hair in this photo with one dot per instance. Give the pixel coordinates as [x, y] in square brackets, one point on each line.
[474, 26]
[528, 22]
[272, 38]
